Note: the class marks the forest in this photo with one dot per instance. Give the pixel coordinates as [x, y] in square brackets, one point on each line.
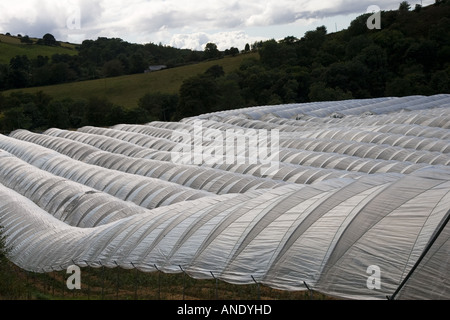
[101, 58]
[409, 55]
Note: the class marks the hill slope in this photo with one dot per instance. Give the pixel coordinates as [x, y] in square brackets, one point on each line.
[11, 46]
[127, 90]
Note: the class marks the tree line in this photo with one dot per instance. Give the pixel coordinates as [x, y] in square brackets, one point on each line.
[101, 58]
[408, 56]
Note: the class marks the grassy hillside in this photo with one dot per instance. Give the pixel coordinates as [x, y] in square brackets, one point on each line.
[127, 90]
[11, 46]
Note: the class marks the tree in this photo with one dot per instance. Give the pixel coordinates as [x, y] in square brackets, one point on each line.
[4, 77]
[215, 71]
[275, 55]
[320, 92]
[60, 72]
[404, 6]
[40, 61]
[256, 45]
[232, 51]
[160, 106]
[58, 115]
[358, 26]
[375, 67]
[413, 81]
[49, 40]
[137, 63]
[113, 68]
[26, 40]
[316, 38]
[98, 111]
[423, 52]
[20, 63]
[289, 40]
[20, 72]
[2, 101]
[440, 81]
[77, 112]
[230, 93]
[349, 76]
[256, 82]
[211, 51]
[198, 95]
[16, 118]
[133, 116]
[36, 116]
[356, 45]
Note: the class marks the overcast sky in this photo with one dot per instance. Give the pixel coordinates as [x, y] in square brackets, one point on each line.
[181, 23]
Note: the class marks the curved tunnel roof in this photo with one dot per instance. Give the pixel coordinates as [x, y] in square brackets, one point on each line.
[320, 195]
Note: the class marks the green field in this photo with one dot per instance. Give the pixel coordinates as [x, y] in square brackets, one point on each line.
[127, 90]
[11, 47]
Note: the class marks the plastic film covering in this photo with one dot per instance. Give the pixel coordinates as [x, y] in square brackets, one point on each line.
[357, 208]
[70, 202]
[143, 191]
[334, 108]
[71, 144]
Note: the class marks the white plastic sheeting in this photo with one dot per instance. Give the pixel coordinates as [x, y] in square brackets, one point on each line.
[357, 208]
[347, 107]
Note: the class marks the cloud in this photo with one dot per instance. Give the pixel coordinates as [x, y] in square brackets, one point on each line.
[223, 40]
[196, 40]
[184, 23]
[35, 18]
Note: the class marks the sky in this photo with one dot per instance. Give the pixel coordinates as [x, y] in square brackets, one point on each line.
[182, 23]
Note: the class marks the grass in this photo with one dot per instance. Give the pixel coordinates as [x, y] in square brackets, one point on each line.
[124, 90]
[121, 284]
[11, 46]
[127, 90]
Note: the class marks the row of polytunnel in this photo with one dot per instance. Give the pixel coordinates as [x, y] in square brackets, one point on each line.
[347, 198]
[359, 107]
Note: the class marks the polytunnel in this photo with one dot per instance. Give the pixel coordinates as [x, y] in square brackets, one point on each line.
[354, 206]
